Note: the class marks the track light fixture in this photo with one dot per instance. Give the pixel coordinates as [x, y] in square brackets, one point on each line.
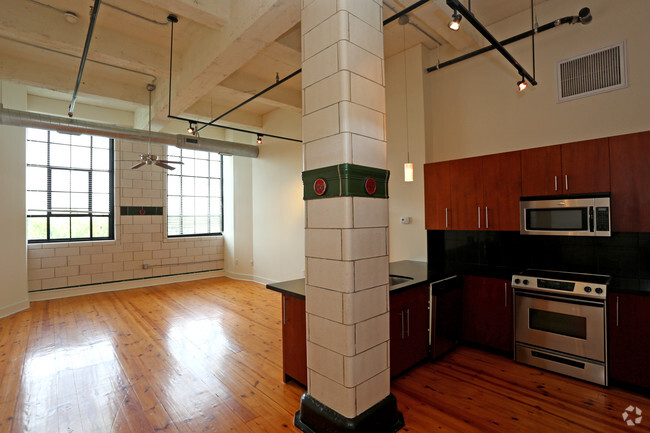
[192, 128]
[522, 84]
[454, 24]
[259, 138]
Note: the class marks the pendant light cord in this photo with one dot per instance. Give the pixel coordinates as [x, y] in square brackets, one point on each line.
[406, 97]
[534, 30]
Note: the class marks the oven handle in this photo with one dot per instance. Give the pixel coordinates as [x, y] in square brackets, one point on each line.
[560, 299]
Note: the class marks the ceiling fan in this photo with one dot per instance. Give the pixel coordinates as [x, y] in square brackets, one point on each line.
[149, 158]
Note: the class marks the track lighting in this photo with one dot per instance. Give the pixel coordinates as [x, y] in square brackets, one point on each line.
[522, 84]
[259, 138]
[192, 128]
[454, 24]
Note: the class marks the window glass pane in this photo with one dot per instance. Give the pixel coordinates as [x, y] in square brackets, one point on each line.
[188, 205]
[173, 152]
[79, 181]
[36, 203]
[80, 157]
[58, 137]
[215, 187]
[174, 206]
[200, 154]
[61, 202]
[188, 186]
[100, 227]
[202, 167]
[36, 228]
[101, 182]
[101, 203]
[60, 180]
[101, 159]
[173, 185]
[80, 227]
[215, 224]
[188, 225]
[80, 140]
[101, 142]
[36, 178]
[37, 134]
[187, 154]
[201, 186]
[59, 155]
[59, 227]
[201, 225]
[187, 167]
[36, 153]
[79, 202]
[174, 226]
[201, 206]
[215, 168]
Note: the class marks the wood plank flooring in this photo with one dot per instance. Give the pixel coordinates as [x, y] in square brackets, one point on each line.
[206, 356]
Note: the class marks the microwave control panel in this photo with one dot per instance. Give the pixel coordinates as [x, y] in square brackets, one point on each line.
[602, 219]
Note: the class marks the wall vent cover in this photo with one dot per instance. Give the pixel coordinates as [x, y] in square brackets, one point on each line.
[598, 71]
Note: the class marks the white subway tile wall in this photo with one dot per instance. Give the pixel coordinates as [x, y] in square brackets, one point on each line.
[139, 240]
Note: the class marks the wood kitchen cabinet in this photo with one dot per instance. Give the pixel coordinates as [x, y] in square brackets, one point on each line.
[629, 332]
[502, 190]
[409, 328]
[294, 339]
[437, 196]
[466, 177]
[572, 168]
[487, 312]
[630, 179]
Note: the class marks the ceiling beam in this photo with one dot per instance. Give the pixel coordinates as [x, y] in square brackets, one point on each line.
[210, 13]
[244, 86]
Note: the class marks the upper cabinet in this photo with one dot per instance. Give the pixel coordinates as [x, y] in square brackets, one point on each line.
[630, 165]
[437, 193]
[466, 194]
[502, 190]
[572, 168]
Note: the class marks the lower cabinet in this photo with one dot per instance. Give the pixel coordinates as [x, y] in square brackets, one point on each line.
[487, 312]
[409, 328]
[629, 331]
[294, 339]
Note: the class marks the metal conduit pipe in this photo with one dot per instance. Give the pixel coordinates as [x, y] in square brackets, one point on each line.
[74, 126]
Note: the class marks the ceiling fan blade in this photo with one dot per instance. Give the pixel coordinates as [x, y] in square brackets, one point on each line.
[163, 165]
[138, 165]
[169, 162]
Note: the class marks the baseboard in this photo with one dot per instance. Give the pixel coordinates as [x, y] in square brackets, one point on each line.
[14, 308]
[44, 295]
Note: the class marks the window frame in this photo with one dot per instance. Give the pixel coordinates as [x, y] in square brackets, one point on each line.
[221, 201]
[54, 214]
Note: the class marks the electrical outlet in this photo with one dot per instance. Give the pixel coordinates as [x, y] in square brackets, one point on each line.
[405, 220]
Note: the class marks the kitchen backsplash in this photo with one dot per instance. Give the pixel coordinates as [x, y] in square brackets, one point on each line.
[499, 254]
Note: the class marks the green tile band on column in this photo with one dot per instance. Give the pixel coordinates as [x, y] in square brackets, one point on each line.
[344, 180]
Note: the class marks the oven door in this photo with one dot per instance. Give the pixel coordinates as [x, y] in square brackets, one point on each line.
[568, 325]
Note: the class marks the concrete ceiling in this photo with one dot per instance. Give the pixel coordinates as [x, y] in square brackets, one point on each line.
[224, 51]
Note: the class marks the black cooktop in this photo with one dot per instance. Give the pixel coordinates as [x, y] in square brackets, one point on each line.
[567, 276]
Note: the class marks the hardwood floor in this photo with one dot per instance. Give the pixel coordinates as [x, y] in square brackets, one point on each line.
[206, 356]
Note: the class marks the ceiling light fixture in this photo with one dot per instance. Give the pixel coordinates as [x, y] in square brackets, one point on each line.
[408, 165]
[192, 128]
[71, 17]
[522, 84]
[454, 24]
[259, 138]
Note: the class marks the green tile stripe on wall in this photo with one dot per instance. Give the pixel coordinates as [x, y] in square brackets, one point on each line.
[345, 180]
[141, 210]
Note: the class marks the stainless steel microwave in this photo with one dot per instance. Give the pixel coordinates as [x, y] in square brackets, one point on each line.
[565, 216]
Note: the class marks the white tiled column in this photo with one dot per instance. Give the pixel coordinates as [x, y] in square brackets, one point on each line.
[346, 237]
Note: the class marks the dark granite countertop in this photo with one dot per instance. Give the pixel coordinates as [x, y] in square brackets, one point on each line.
[417, 271]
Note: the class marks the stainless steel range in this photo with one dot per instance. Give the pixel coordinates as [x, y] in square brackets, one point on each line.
[561, 322]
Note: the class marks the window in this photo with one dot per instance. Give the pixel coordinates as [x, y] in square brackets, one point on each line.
[194, 194]
[69, 187]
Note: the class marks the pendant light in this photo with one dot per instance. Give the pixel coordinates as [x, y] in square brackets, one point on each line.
[408, 165]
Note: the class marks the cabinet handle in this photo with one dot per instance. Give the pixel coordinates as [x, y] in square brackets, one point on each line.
[446, 219]
[408, 322]
[487, 223]
[566, 181]
[617, 311]
[479, 217]
[284, 309]
[556, 183]
[401, 316]
[505, 294]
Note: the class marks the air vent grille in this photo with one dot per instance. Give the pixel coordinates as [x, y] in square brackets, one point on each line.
[599, 71]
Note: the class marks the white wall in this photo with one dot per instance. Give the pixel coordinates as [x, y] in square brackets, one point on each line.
[476, 109]
[278, 207]
[407, 241]
[13, 254]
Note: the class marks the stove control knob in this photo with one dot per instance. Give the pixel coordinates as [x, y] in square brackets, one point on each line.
[599, 290]
[526, 282]
[517, 281]
[588, 289]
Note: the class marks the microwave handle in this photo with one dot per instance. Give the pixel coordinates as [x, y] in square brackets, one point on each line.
[591, 218]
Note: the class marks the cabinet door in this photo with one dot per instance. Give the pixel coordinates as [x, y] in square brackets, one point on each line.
[400, 359]
[437, 196]
[541, 171]
[487, 312]
[585, 167]
[467, 194]
[630, 166]
[628, 335]
[502, 190]
[409, 328]
[294, 339]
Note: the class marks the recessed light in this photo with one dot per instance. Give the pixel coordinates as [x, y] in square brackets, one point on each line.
[71, 17]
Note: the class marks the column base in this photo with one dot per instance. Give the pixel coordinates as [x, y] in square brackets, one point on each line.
[315, 417]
